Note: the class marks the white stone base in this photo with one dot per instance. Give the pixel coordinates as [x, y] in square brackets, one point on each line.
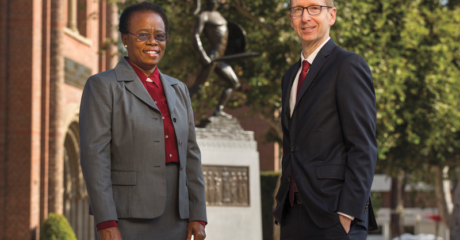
[234, 222]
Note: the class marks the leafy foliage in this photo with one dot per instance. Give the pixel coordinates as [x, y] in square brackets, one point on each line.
[411, 46]
[268, 189]
[268, 32]
[56, 227]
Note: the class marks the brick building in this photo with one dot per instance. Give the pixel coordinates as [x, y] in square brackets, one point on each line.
[48, 48]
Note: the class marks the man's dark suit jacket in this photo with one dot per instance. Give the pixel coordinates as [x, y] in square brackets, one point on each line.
[330, 140]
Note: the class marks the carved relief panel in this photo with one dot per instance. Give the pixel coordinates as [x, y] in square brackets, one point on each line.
[226, 185]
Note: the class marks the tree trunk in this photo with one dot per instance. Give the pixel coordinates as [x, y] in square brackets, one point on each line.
[442, 195]
[455, 219]
[396, 205]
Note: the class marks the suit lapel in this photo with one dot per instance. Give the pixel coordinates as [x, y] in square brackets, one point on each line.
[319, 61]
[169, 91]
[125, 73]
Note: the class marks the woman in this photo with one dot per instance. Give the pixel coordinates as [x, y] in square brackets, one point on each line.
[139, 155]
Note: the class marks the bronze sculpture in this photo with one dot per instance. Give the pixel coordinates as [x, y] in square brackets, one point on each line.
[216, 29]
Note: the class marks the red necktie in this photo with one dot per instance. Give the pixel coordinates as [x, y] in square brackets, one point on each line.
[303, 74]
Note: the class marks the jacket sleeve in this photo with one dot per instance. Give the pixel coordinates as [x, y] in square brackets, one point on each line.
[357, 111]
[95, 141]
[195, 179]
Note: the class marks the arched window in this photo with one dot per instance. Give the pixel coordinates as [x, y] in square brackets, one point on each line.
[76, 201]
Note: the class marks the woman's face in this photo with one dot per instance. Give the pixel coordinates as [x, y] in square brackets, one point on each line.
[146, 55]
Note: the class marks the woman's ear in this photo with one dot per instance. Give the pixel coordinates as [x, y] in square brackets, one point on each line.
[124, 39]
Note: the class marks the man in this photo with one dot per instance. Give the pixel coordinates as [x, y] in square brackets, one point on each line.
[329, 143]
[214, 25]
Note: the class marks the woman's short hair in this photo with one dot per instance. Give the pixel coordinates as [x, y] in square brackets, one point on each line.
[145, 6]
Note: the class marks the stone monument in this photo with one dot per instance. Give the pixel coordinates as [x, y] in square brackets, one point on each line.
[231, 170]
[228, 153]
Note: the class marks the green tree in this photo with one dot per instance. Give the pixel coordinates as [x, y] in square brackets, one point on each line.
[411, 46]
[268, 32]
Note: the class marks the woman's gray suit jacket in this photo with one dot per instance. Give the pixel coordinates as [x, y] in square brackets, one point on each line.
[123, 147]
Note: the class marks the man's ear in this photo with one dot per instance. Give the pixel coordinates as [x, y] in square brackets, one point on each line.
[292, 24]
[332, 15]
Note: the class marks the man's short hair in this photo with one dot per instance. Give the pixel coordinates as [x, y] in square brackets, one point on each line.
[328, 2]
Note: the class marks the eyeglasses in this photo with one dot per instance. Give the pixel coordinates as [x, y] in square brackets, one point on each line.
[142, 37]
[312, 10]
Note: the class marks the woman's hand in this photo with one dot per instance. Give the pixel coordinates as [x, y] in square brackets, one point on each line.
[197, 230]
[112, 233]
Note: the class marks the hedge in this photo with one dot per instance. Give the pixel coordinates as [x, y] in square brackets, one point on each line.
[268, 182]
[56, 227]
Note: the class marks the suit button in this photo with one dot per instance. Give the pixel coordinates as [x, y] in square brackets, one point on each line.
[180, 143]
[293, 149]
[181, 168]
[166, 136]
[288, 179]
[174, 119]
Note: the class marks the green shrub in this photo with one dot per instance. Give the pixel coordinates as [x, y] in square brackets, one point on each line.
[268, 182]
[56, 227]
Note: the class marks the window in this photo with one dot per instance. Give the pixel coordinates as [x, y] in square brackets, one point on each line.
[77, 16]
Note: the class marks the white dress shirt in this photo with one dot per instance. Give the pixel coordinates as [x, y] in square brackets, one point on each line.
[293, 97]
[310, 59]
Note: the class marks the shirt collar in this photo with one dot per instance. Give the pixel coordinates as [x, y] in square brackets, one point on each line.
[155, 76]
[312, 56]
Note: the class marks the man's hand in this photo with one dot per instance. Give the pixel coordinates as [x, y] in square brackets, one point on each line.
[346, 222]
[112, 233]
[197, 230]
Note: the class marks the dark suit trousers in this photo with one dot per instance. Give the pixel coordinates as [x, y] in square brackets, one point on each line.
[299, 226]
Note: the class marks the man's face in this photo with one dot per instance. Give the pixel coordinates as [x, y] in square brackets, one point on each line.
[312, 29]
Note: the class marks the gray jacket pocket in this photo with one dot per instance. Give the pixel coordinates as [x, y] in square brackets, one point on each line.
[123, 178]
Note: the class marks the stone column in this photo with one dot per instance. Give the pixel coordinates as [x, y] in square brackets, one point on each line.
[72, 15]
[102, 35]
[45, 110]
[56, 129]
[112, 34]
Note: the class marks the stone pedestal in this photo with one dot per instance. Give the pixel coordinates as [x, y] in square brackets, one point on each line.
[231, 170]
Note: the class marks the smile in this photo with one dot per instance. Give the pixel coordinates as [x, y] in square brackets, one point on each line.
[152, 53]
[306, 29]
